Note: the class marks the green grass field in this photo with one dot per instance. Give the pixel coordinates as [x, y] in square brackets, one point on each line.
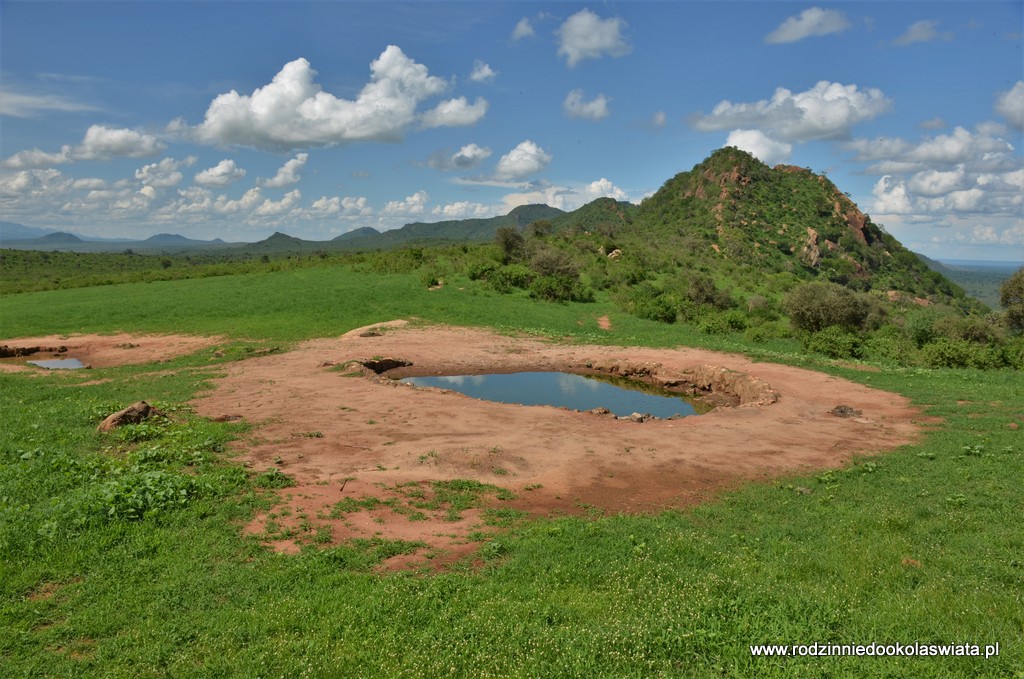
[121, 555]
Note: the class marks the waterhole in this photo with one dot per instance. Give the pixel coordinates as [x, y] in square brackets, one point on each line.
[58, 364]
[577, 392]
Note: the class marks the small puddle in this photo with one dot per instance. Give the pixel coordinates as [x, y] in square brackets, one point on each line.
[58, 364]
[576, 392]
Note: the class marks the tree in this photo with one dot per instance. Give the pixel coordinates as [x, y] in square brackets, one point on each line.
[511, 244]
[816, 306]
[1011, 297]
[539, 229]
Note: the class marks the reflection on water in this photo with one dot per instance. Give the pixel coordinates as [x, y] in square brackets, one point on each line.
[566, 390]
[58, 364]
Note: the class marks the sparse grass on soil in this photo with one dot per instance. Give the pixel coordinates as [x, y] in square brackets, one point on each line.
[124, 555]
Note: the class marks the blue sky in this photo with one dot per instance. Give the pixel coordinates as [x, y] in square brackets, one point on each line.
[238, 119]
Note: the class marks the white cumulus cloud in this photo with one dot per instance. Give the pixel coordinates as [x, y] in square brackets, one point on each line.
[760, 145]
[293, 111]
[811, 22]
[102, 143]
[456, 112]
[269, 208]
[525, 159]
[523, 29]
[164, 174]
[890, 197]
[465, 210]
[585, 35]
[415, 204]
[482, 72]
[287, 174]
[575, 106]
[826, 111]
[222, 174]
[467, 157]
[602, 188]
[922, 31]
[1010, 105]
[36, 158]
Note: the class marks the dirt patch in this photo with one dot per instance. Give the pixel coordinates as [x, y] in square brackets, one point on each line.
[102, 351]
[604, 323]
[373, 434]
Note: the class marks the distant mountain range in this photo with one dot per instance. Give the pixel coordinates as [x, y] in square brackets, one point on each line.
[20, 237]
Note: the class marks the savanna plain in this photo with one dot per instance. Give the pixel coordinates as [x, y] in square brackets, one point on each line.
[131, 553]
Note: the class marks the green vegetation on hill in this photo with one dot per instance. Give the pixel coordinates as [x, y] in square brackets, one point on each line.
[730, 248]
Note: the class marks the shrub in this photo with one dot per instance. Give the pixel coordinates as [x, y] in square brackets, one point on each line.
[892, 344]
[967, 329]
[714, 324]
[833, 342]
[702, 290]
[957, 353]
[560, 289]
[507, 278]
[480, 270]
[1011, 297]
[511, 244]
[812, 307]
[656, 308]
[553, 262]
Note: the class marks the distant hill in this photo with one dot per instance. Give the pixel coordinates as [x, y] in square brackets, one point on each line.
[362, 232]
[12, 231]
[175, 239]
[58, 238]
[604, 215]
[734, 213]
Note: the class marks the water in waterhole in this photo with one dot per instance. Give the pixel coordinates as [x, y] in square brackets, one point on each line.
[58, 363]
[578, 392]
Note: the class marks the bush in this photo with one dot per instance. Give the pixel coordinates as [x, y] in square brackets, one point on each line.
[714, 324]
[553, 262]
[511, 244]
[702, 291]
[891, 344]
[1011, 297]
[480, 270]
[833, 342]
[967, 329]
[813, 307]
[957, 353]
[655, 309]
[507, 278]
[560, 289]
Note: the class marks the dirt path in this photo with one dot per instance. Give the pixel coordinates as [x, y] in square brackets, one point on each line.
[346, 437]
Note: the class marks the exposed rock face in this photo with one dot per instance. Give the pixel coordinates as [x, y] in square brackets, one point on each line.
[726, 386]
[810, 253]
[133, 414]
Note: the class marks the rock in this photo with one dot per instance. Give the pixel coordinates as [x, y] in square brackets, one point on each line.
[845, 411]
[600, 411]
[382, 365]
[218, 354]
[133, 414]
[810, 253]
[371, 333]
[640, 417]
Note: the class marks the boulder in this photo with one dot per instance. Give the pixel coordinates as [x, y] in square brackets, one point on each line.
[133, 414]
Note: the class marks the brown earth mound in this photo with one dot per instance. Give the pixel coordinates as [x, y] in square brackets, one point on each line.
[380, 448]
